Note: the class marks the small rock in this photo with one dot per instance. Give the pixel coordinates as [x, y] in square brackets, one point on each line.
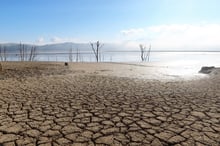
[206, 69]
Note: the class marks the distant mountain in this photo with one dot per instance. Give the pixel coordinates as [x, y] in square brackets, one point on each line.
[85, 47]
[62, 47]
[12, 47]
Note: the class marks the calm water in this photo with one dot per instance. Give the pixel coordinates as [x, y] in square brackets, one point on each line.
[173, 58]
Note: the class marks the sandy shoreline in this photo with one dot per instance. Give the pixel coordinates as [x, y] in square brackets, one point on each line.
[106, 104]
[149, 71]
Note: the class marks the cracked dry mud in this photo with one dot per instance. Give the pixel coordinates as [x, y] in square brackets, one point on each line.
[99, 110]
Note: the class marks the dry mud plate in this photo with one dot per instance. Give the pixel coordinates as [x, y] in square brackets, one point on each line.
[71, 108]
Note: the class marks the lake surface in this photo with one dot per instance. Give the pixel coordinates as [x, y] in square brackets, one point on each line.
[165, 58]
[190, 58]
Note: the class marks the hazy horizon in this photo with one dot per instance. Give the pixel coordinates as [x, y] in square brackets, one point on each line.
[86, 47]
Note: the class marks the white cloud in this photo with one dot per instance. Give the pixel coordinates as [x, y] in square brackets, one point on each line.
[176, 36]
[56, 39]
[40, 40]
[130, 32]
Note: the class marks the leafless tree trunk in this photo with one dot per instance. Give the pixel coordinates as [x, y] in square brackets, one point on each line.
[145, 55]
[148, 54]
[143, 52]
[25, 55]
[71, 55]
[0, 67]
[5, 54]
[21, 50]
[33, 53]
[1, 58]
[1, 53]
[96, 50]
[77, 55]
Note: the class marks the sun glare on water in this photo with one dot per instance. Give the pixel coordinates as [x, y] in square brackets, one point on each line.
[182, 68]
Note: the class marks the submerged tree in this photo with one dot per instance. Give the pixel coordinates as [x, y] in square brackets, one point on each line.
[145, 55]
[3, 54]
[33, 53]
[22, 50]
[78, 56]
[0, 67]
[25, 54]
[148, 53]
[71, 55]
[96, 50]
[143, 52]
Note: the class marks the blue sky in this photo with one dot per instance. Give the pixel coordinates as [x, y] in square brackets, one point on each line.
[165, 23]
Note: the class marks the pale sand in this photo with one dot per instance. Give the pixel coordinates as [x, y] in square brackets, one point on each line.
[106, 104]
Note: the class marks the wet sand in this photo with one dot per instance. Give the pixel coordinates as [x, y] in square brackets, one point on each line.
[106, 104]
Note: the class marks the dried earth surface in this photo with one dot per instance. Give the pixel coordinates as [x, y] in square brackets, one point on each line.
[48, 104]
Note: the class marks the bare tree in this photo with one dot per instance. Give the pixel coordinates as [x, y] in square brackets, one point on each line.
[77, 55]
[0, 67]
[145, 55]
[1, 58]
[22, 51]
[148, 53]
[71, 55]
[33, 53]
[96, 50]
[143, 52]
[3, 54]
[26, 55]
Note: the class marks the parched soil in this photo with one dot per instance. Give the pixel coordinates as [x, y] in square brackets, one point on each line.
[87, 109]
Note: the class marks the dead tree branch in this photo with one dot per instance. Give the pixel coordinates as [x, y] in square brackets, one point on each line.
[96, 50]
